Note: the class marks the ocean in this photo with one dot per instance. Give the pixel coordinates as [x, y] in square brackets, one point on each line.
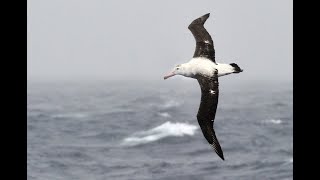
[145, 130]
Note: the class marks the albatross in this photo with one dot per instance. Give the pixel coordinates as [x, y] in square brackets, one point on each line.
[206, 70]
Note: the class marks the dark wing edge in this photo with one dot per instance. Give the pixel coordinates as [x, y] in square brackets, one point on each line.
[216, 146]
[207, 110]
[204, 43]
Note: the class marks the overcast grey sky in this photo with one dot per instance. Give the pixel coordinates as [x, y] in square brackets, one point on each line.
[143, 39]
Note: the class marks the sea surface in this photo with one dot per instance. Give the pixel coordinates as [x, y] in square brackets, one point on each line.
[105, 130]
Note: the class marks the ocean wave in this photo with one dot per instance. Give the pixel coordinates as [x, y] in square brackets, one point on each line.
[70, 115]
[164, 114]
[170, 103]
[291, 160]
[273, 121]
[164, 130]
[288, 161]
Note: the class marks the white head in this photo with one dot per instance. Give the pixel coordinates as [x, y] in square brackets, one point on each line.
[181, 69]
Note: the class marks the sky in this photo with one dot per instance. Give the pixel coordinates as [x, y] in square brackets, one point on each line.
[143, 39]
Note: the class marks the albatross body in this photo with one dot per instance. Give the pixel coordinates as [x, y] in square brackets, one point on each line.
[206, 70]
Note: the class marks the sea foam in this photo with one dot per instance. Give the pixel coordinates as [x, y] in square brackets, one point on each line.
[164, 130]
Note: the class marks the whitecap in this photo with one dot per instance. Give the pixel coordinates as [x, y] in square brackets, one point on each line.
[164, 114]
[273, 121]
[288, 161]
[164, 130]
[70, 115]
[291, 160]
[170, 103]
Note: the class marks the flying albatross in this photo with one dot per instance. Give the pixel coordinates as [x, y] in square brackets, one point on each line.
[206, 70]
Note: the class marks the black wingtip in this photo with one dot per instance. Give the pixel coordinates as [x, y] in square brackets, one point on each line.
[221, 157]
[220, 153]
[216, 146]
[205, 17]
[218, 150]
[200, 20]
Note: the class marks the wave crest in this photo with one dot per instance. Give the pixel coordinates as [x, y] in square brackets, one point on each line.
[170, 104]
[164, 114]
[274, 121]
[164, 130]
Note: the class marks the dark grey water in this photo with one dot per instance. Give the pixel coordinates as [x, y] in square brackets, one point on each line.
[107, 130]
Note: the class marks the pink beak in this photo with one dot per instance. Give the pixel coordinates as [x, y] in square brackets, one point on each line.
[169, 75]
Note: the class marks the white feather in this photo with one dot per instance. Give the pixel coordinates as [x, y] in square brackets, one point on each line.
[206, 66]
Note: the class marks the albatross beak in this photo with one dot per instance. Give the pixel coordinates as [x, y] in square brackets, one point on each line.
[169, 75]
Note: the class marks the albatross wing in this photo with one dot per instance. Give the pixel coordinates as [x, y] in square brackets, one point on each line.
[204, 43]
[207, 110]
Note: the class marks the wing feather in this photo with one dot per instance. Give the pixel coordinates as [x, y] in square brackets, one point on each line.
[204, 43]
[207, 110]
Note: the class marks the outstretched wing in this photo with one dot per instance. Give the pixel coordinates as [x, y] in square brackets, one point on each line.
[204, 43]
[207, 110]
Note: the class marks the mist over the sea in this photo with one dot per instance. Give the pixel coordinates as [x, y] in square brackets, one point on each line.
[122, 131]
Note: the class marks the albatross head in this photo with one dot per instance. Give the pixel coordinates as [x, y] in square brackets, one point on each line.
[181, 69]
